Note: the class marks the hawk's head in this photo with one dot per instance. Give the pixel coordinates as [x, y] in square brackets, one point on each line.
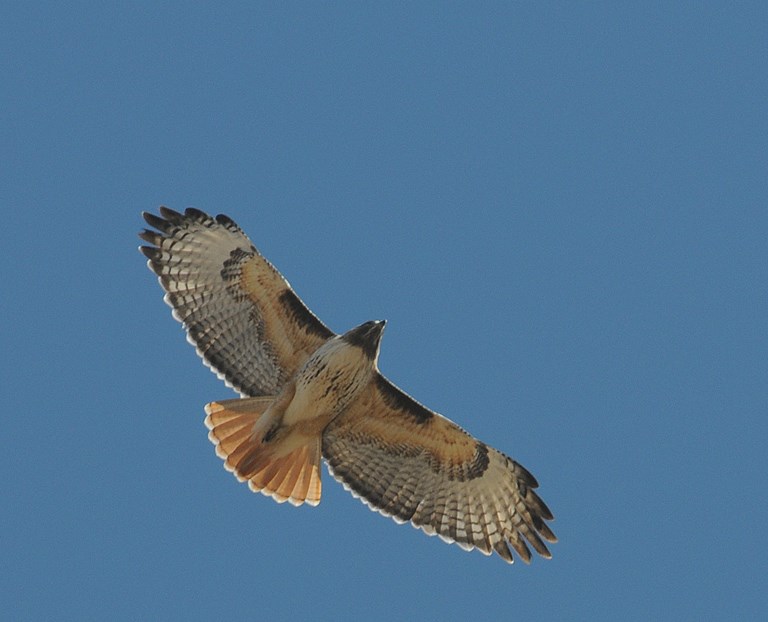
[366, 336]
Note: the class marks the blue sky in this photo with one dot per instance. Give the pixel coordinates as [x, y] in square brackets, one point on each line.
[560, 208]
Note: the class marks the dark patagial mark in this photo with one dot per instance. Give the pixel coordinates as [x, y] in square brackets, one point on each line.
[303, 316]
[397, 400]
[366, 336]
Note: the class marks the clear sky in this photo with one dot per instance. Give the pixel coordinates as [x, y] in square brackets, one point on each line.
[561, 209]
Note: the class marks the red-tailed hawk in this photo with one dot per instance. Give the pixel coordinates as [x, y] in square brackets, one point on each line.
[308, 392]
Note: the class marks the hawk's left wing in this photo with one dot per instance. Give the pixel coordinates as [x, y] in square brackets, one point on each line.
[240, 313]
[412, 464]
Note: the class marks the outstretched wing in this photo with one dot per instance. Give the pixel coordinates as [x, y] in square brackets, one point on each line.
[239, 312]
[412, 464]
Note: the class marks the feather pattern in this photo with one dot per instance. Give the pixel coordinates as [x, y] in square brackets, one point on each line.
[431, 473]
[310, 393]
[241, 315]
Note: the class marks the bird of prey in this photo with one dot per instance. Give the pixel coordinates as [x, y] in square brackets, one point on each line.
[309, 393]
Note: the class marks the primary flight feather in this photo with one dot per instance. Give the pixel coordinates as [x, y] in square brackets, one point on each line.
[309, 393]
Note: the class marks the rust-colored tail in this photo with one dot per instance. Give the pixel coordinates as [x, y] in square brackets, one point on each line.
[294, 477]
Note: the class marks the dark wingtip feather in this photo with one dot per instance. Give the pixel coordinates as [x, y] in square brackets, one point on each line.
[525, 475]
[156, 222]
[197, 214]
[522, 549]
[547, 533]
[537, 543]
[503, 550]
[537, 506]
[171, 216]
[225, 220]
[153, 237]
[150, 252]
[545, 553]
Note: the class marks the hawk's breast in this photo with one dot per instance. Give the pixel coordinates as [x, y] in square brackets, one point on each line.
[330, 379]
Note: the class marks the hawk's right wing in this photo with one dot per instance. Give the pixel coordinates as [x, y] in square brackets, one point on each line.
[242, 316]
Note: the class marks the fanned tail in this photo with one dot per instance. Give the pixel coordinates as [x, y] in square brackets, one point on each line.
[234, 430]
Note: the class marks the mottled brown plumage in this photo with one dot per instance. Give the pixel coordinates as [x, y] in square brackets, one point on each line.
[308, 392]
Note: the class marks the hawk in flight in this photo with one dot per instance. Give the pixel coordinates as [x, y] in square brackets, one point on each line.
[309, 393]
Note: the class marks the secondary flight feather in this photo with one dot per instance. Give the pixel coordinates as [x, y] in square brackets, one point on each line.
[309, 394]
